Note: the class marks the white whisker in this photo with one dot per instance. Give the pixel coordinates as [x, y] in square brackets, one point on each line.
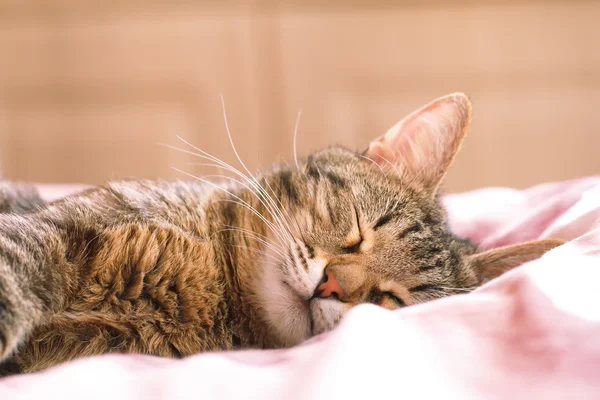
[455, 289]
[241, 202]
[238, 156]
[259, 190]
[264, 253]
[248, 231]
[231, 138]
[255, 237]
[296, 138]
[241, 184]
[272, 209]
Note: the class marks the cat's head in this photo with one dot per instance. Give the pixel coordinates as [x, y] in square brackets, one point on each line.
[366, 227]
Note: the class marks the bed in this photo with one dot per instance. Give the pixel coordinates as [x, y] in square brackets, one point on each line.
[532, 333]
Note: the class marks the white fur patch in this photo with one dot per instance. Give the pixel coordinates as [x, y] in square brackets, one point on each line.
[285, 289]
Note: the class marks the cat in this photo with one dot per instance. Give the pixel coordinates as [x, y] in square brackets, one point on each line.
[176, 268]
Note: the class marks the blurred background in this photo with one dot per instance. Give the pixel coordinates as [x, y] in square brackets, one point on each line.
[89, 90]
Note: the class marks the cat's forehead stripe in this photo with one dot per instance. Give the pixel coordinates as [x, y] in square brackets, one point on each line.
[384, 220]
[285, 179]
[335, 179]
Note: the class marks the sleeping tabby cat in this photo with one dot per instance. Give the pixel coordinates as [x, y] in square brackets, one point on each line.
[173, 268]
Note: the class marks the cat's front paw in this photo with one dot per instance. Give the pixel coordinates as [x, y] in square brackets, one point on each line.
[14, 323]
[10, 334]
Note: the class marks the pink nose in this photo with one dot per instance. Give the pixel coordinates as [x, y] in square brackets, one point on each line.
[329, 286]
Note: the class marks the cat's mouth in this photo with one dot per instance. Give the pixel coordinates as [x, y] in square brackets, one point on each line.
[321, 314]
[325, 314]
[303, 301]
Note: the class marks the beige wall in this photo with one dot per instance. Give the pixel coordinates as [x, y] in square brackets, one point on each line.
[89, 89]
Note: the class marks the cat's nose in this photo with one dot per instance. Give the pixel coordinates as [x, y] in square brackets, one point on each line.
[329, 286]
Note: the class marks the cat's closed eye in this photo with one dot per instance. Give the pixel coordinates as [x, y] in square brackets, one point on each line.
[414, 228]
[354, 248]
[385, 298]
[395, 299]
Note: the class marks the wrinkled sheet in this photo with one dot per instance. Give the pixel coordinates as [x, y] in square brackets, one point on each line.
[532, 333]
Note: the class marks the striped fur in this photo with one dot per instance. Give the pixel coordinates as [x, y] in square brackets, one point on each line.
[176, 268]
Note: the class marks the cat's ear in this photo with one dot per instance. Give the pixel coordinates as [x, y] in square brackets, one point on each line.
[492, 263]
[422, 146]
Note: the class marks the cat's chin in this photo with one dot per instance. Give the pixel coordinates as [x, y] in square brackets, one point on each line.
[289, 316]
[286, 311]
[326, 314]
[286, 295]
[294, 319]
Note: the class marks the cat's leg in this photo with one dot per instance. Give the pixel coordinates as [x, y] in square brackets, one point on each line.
[73, 335]
[70, 291]
[36, 278]
[69, 335]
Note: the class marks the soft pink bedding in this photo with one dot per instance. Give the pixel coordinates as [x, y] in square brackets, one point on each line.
[533, 333]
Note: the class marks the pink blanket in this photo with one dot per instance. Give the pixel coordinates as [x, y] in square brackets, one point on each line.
[533, 333]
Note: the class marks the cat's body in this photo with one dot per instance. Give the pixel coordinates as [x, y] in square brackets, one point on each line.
[176, 268]
[140, 267]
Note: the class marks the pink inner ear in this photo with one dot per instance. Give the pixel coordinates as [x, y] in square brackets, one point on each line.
[423, 144]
